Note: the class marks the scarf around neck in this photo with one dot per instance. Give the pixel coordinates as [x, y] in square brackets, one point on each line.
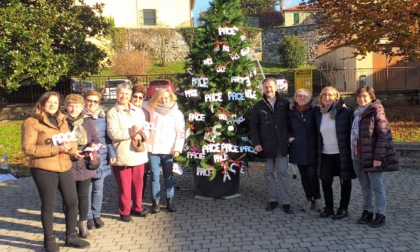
[354, 137]
[76, 126]
[167, 108]
[332, 109]
[95, 114]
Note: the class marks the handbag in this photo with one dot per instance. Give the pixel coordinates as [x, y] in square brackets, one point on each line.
[93, 161]
[138, 145]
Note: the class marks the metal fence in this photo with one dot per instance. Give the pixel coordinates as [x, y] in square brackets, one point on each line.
[345, 80]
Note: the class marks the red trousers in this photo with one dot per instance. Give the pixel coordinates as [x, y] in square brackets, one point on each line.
[130, 188]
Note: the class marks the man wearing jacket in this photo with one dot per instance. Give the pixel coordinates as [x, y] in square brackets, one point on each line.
[269, 136]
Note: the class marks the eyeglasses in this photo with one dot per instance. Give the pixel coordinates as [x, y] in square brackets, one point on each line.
[137, 97]
[92, 101]
[328, 95]
[302, 96]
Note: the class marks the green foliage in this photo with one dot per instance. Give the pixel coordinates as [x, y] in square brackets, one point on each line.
[254, 8]
[293, 51]
[188, 33]
[221, 112]
[10, 139]
[47, 40]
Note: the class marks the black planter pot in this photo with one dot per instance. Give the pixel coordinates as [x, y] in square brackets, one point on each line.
[216, 188]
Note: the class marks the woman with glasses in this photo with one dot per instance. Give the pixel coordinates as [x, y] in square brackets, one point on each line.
[334, 120]
[137, 98]
[125, 127]
[166, 142]
[107, 156]
[373, 153]
[303, 145]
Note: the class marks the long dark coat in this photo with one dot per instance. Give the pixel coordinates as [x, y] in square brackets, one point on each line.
[302, 126]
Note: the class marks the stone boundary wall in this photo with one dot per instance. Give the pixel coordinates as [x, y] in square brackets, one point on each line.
[267, 41]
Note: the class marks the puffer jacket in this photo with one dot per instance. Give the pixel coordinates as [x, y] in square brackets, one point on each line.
[168, 131]
[106, 153]
[37, 132]
[119, 120]
[302, 126]
[343, 121]
[375, 140]
[79, 170]
[268, 127]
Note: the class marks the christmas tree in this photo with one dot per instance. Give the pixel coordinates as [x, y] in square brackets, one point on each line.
[219, 93]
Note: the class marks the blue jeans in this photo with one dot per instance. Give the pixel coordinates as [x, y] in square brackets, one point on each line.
[96, 194]
[371, 182]
[165, 161]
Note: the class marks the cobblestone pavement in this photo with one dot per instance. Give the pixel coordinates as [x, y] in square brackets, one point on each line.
[238, 224]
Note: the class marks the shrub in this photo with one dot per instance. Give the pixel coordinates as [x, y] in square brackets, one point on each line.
[131, 63]
[293, 51]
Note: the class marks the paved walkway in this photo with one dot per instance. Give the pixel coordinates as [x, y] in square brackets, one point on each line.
[238, 224]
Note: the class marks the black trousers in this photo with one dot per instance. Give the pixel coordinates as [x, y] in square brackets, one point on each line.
[330, 167]
[83, 196]
[47, 184]
[310, 181]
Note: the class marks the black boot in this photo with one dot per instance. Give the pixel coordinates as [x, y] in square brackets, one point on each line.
[170, 205]
[83, 229]
[74, 241]
[155, 206]
[50, 244]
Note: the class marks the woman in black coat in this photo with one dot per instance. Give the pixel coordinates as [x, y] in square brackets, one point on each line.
[334, 155]
[373, 153]
[303, 145]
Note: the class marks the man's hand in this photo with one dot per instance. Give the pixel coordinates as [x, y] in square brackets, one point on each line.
[258, 148]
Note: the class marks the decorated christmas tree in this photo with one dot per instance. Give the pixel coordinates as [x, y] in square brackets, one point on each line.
[219, 93]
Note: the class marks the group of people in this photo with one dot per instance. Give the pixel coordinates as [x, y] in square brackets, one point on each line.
[324, 140]
[129, 138]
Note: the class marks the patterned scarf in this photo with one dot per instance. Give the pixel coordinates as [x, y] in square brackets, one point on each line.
[75, 125]
[355, 142]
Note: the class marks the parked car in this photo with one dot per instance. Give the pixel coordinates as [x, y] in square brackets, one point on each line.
[156, 85]
[87, 85]
[282, 84]
[29, 90]
[109, 91]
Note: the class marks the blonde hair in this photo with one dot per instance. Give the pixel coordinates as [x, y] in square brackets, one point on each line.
[156, 97]
[93, 92]
[325, 90]
[74, 98]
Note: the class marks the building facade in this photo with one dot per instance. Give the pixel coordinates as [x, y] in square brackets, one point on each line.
[148, 13]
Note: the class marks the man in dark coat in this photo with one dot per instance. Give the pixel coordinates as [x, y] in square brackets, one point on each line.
[269, 136]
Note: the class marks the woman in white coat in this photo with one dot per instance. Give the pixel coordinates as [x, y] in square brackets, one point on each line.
[167, 136]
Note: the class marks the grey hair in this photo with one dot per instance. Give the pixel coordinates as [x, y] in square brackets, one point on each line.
[304, 90]
[124, 86]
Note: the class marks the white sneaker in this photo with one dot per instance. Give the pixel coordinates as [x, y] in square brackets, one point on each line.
[307, 206]
[318, 206]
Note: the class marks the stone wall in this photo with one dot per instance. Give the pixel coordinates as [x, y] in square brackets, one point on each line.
[271, 39]
[267, 41]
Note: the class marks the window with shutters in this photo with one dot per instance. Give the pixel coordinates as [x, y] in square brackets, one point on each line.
[295, 18]
[149, 17]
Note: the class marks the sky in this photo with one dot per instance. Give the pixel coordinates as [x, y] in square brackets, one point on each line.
[203, 5]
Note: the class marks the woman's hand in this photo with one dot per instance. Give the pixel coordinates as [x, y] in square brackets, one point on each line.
[78, 155]
[112, 160]
[64, 147]
[376, 163]
[175, 154]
